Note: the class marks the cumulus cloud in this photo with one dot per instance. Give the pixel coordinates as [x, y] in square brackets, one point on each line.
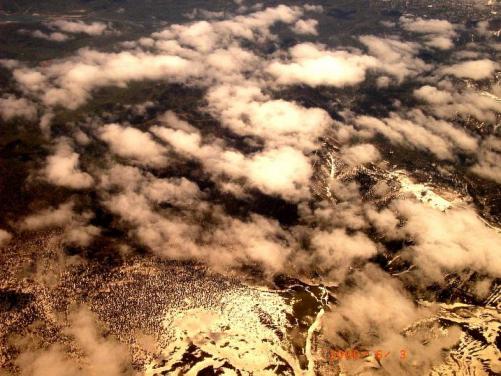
[474, 69]
[282, 171]
[12, 107]
[420, 131]
[63, 168]
[248, 112]
[278, 170]
[440, 42]
[176, 218]
[131, 143]
[458, 138]
[426, 26]
[204, 13]
[314, 65]
[454, 240]
[206, 50]
[45, 363]
[360, 154]
[447, 102]
[74, 79]
[29, 80]
[370, 311]
[51, 217]
[313, 8]
[45, 123]
[260, 240]
[101, 355]
[375, 313]
[439, 33]
[151, 228]
[54, 37]
[76, 27]
[489, 160]
[228, 63]
[179, 53]
[5, 237]
[204, 233]
[105, 355]
[81, 235]
[307, 27]
[396, 57]
[179, 192]
[335, 251]
[433, 95]
[204, 36]
[76, 229]
[346, 212]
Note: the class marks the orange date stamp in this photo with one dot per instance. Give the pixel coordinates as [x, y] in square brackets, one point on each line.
[333, 355]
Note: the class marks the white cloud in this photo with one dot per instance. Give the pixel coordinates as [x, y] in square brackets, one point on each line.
[231, 60]
[77, 231]
[45, 123]
[433, 95]
[283, 171]
[452, 241]
[81, 235]
[259, 240]
[440, 42]
[29, 80]
[51, 217]
[204, 13]
[70, 82]
[360, 154]
[221, 242]
[438, 33]
[420, 131]
[75, 27]
[199, 35]
[131, 143]
[100, 355]
[248, 112]
[50, 362]
[12, 107]
[179, 192]
[55, 37]
[205, 36]
[171, 216]
[448, 103]
[396, 57]
[210, 50]
[313, 65]
[489, 160]
[427, 26]
[5, 237]
[376, 313]
[314, 8]
[306, 27]
[335, 251]
[280, 170]
[474, 69]
[457, 137]
[405, 132]
[178, 53]
[375, 308]
[63, 168]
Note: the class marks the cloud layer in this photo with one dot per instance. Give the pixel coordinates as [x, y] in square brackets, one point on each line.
[204, 181]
